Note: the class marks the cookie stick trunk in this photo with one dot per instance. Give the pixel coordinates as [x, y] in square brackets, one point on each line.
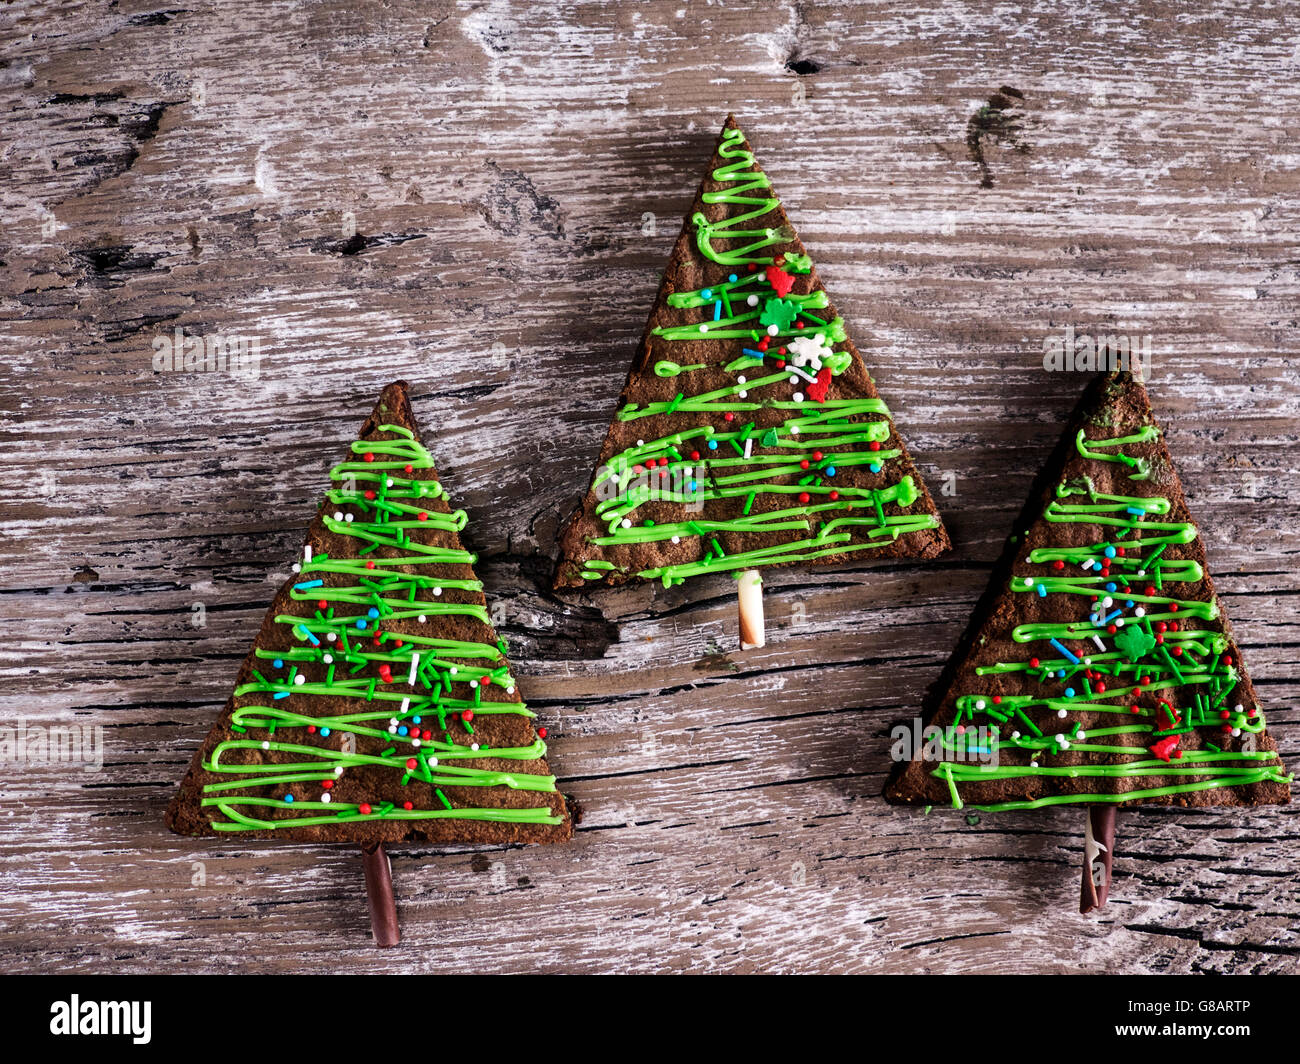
[749, 593]
[1098, 854]
[379, 895]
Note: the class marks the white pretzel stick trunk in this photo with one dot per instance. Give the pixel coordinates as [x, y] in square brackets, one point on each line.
[750, 596]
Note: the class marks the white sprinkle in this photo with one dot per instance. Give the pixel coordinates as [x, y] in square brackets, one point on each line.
[437, 591]
[1119, 622]
[1108, 602]
[452, 669]
[415, 664]
[1061, 713]
[794, 379]
[1015, 735]
[406, 704]
[742, 394]
[752, 301]
[1081, 735]
[640, 443]
[979, 703]
[772, 330]
[1065, 743]
[473, 746]
[1238, 708]
[510, 690]
[338, 515]
[1139, 612]
[433, 762]
[704, 326]
[749, 446]
[325, 797]
[1100, 645]
[306, 552]
[296, 567]
[347, 518]
[1086, 564]
[266, 746]
[392, 729]
[415, 742]
[794, 430]
[1142, 572]
[740, 379]
[338, 770]
[1033, 764]
[1236, 731]
[1087, 661]
[627, 522]
[677, 539]
[1060, 739]
[388, 481]
[797, 397]
[330, 636]
[300, 678]
[422, 618]
[328, 659]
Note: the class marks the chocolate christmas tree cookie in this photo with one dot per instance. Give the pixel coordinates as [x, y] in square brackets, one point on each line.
[749, 432]
[377, 704]
[1100, 669]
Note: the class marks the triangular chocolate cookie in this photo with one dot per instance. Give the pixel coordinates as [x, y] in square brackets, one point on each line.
[1100, 667]
[377, 704]
[749, 432]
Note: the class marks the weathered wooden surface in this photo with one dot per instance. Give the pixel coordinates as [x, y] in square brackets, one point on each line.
[200, 168]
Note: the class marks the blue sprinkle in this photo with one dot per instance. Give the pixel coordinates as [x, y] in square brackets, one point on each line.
[830, 470]
[713, 445]
[1109, 552]
[717, 310]
[403, 730]
[361, 624]
[1069, 692]
[1042, 591]
[415, 720]
[707, 294]
[1128, 604]
[732, 278]
[1110, 587]
[692, 486]
[1065, 653]
[751, 351]
[288, 797]
[1136, 511]
[372, 612]
[324, 732]
[307, 584]
[278, 663]
[1060, 674]
[281, 694]
[874, 467]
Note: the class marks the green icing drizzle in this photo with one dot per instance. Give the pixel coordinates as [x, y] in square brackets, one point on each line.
[1158, 657]
[785, 473]
[401, 684]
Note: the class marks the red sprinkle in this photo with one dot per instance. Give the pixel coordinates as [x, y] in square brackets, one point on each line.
[817, 456]
[411, 762]
[423, 515]
[541, 733]
[804, 464]
[804, 496]
[407, 805]
[364, 809]
[327, 784]
[369, 456]
[370, 565]
[408, 469]
[466, 714]
[834, 496]
[874, 445]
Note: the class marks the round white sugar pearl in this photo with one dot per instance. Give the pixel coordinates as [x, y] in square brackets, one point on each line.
[266, 746]
[677, 539]
[742, 393]
[473, 746]
[296, 567]
[300, 678]
[979, 704]
[422, 618]
[1139, 612]
[325, 797]
[1061, 713]
[797, 397]
[627, 522]
[704, 326]
[1081, 736]
[338, 770]
[772, 330]
[338, 515]
[437, 591]
[740, 379]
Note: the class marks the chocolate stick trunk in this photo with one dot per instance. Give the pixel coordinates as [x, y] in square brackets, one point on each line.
[379, 895]
[749, 593]
[1098, 854]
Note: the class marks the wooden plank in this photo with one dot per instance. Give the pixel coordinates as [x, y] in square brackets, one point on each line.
[479, 197]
